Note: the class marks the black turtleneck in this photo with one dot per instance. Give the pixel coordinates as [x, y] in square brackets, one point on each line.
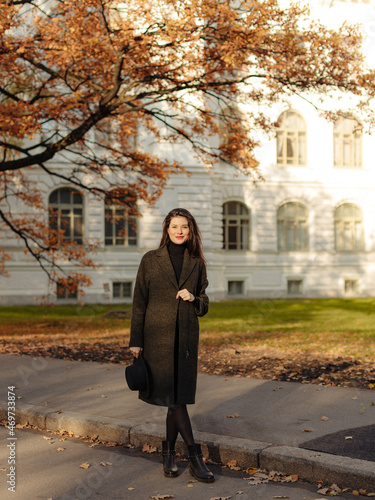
[176, 253]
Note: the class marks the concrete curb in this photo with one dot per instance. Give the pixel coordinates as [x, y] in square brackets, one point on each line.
[309, 465]
[312, 465]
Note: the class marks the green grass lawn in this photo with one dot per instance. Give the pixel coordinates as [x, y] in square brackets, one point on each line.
[327, 326]
[332, 326]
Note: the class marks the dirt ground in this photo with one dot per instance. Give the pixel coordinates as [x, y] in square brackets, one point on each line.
[233, 360]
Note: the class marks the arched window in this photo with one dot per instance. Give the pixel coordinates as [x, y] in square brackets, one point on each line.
[66, 213]
[349, 233]
[292, 227]
[120, 224]
[291, 139]
[347, 141]
[236, 226]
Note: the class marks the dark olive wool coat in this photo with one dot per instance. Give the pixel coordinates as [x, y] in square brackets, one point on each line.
[157, 317]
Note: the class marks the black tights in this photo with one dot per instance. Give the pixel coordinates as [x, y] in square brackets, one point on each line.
[178, 421]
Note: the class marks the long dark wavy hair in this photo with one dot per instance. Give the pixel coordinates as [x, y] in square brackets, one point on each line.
[194, 241]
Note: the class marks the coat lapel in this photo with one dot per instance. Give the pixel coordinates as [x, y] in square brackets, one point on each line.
[166, 264]
[187, 268]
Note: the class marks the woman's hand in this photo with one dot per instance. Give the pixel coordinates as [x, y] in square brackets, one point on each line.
[185, 295]
[136, 351]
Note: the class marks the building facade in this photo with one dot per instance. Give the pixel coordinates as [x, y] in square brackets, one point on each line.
[307, 230]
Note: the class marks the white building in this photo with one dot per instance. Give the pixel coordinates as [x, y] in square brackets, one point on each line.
[307, 231]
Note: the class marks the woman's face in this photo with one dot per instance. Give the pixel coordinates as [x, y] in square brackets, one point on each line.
[178, 230]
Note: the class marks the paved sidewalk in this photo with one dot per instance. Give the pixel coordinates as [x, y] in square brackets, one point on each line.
[258, 423]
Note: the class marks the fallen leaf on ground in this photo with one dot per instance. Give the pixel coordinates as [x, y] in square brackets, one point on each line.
[235, 415]
[104, 464]
[293, 478]
[263, 477]
[334, 487]
[103, 396]
[307, 430]
[60, 449]
[161, 497]
[85, 465]
[220, 498]
[323, 491]
[149, 449]
[362, 409]
[280, 496]
[255, 362]
[328, 492]
[348, 437]
[254, 481]
[232, 464]
[47, 438]
[325, 418]
[59, 411]
[209, 461]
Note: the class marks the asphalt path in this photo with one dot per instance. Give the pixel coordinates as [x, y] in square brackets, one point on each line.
[43, 472]
[354, 443]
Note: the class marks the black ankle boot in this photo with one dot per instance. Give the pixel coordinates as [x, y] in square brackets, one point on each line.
[168, 452]
[197, 467]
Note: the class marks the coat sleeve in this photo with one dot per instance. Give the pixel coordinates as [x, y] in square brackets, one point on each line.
[201, 299]
[140, 301]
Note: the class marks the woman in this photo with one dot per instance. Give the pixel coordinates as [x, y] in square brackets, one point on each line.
[169, 295]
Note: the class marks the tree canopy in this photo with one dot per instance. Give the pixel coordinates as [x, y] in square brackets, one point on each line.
[80, 80]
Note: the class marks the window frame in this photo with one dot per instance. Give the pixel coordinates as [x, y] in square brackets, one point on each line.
[66, 295]
[234, 283]
[58, 207]
[113, 237]
[294, 223]
[341, 224]
[293, 283]
[240, 227]
[351, 286]
[297, 135]
[342, 138]
[121, 283]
